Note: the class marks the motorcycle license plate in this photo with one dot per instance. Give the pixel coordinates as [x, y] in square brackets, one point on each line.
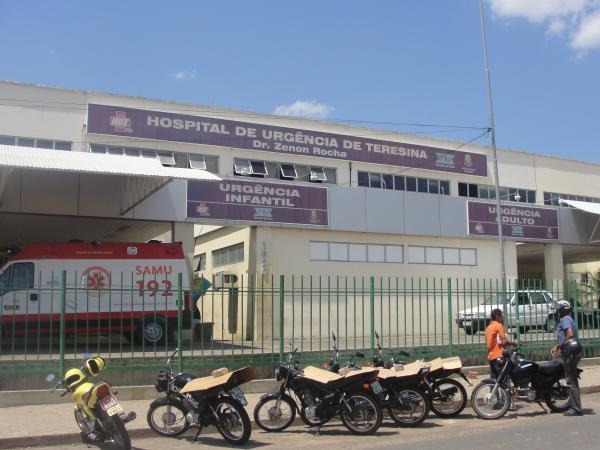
[376, 387]
[238, 395]
[110, 405]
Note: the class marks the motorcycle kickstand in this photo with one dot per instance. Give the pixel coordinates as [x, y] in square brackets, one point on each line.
[197, 434]
[544, 409]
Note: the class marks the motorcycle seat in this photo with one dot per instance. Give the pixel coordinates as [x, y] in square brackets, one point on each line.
[551, 368]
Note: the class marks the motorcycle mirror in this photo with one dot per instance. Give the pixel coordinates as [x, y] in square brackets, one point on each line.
[50, 377]
[360, 355]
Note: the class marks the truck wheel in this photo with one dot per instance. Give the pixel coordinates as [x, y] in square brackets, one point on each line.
[153, 332]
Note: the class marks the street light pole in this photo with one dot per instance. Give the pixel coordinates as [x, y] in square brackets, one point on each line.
[494, 155]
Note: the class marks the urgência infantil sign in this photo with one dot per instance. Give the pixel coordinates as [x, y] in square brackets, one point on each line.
[116, 120]
[255, 201]
[527, 222]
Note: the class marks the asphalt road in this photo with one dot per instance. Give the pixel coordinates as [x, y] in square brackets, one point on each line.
[529, 427]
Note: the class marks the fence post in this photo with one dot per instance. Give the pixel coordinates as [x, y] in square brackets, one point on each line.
[281, 313]
[450, 317]
[63, 302]
[180, 321]
[372, 308]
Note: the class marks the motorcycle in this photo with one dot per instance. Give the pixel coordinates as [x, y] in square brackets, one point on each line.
[98, 413]
[321, 395]
[190, 401]
[521, 379]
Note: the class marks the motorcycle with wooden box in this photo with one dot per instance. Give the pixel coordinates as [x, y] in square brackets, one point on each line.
[190, 401]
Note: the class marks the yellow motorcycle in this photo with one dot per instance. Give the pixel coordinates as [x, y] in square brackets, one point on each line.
[98, 413]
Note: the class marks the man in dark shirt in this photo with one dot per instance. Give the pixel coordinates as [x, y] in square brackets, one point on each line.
[567, 329]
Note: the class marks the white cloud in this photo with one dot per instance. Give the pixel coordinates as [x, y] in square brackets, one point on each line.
[305, 108]
[185, 74]
[588, 35]
[576, 20]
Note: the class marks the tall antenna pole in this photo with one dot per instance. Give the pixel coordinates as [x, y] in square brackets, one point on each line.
[494, 153]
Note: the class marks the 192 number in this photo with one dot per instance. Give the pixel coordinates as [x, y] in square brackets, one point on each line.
[153, 288]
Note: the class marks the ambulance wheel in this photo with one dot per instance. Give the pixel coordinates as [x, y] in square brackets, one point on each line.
[152, 332]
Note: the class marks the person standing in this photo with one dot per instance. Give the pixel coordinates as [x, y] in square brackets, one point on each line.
[496, 341]
[569, 349]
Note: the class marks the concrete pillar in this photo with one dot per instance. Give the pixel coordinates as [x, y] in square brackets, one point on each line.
[184, 232]
[554, 266]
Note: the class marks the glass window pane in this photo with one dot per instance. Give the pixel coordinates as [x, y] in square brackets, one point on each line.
[473, 191]
[258, 168]
[338, 251]
[445, 187]
[411, 184]
[483, 192]
[433, 255]
[363, 179]
[547, 198]
[376, 253]
[451, 256]
[115, 151]
[197, 162]
[531, 197]
[148, 154]
[399, 183]
[422, 184]
[522, 195]
[463, 190]
[492, 192]
[319, 251]
[330, 175]
[40, 143]
[317, 174]
[375, 180]
[434, 187]
[357, 252]
[60, 145]
[468, 257]
[288, 171]
[97, 148]
[503, 193]
[7, 140]
[25, 142]
[394, 253]
[388, 181]
[416, 255]
[132, 152]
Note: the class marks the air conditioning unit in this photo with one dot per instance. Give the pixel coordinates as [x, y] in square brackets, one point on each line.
[224, 280]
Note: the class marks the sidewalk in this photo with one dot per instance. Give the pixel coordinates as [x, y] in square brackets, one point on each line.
[32, 425]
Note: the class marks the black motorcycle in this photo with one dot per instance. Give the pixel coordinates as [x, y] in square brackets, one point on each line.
[198, 402]
[321, 395]
[521, 379]
[447, 396]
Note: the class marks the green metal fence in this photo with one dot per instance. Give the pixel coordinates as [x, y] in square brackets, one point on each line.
[134, 324]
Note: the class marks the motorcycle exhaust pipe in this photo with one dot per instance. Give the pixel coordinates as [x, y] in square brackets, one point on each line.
[127, 417]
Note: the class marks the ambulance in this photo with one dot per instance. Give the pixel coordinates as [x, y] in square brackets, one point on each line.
[130, 289]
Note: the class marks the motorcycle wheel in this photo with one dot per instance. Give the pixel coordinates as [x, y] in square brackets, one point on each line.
[117, 431]
[485, 405]
[85, 436]
[270, 418]
[233, 423]
[365, 416]
[167, 418]
[453, 400]
[558, 400]
[413, 410]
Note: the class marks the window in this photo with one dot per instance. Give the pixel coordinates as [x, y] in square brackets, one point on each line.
[444, 187]
[357, 252]
[288, 171]
[25, 142]
[132, 152]
[399, 183]
[319, 251]
[7, 140]
[442, 255]
[522, 298]
[317, 174]
[376, 253]
[197, 162]
[258, 168]
[97, 149]
[422, 185]
[242, 167]
[166, 159]
[115, 151]
[553, 198]
[44, 144]
[61, 145]
[201, 262]
[363, 179]
[387, 181]
[37, 143]
[537, 298]
[228, 255]
[489, 192]
[374, 180]
[148, 154]
[17, 277]
[411, 184]
[342, 251]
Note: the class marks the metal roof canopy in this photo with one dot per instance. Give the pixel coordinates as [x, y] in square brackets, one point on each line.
[143, 176]
[592, 208]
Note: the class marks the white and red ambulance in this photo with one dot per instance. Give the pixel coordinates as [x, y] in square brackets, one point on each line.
[110, 288]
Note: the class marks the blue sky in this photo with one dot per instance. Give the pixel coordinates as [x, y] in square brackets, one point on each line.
[379, 63]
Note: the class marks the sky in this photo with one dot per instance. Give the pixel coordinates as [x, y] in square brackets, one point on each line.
[410, 66]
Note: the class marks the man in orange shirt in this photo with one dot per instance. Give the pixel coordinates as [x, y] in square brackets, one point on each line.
[496, 341]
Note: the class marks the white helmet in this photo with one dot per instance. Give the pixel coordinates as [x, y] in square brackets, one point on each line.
[561, 305]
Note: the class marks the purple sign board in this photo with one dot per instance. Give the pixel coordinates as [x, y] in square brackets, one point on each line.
[519, 222]
[119, 121]
[258, 202]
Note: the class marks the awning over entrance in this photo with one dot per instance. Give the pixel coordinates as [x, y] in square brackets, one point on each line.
[592, 208]
[142, 176]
